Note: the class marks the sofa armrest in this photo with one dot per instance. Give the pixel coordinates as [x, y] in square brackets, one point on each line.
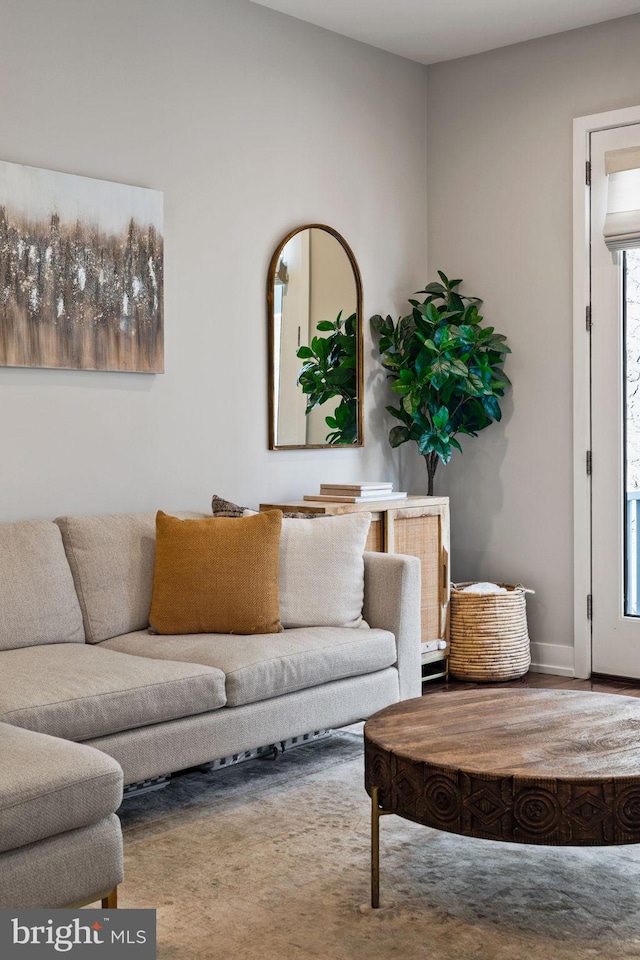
[392, 602]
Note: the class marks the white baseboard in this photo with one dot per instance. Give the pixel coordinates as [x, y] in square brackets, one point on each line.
[552, 658]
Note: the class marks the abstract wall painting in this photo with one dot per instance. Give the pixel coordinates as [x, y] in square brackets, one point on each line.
[81, 272]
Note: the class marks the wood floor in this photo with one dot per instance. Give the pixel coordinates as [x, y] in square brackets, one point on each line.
[628, 688]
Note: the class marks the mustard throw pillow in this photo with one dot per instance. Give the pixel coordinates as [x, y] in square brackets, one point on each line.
[217, 575]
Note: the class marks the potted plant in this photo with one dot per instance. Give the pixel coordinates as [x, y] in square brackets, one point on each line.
[329, 371]
[446, 368]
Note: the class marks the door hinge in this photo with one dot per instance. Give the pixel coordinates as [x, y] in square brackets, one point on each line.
[588, 318]
[588, 463]
[587, 173]
[589, 606]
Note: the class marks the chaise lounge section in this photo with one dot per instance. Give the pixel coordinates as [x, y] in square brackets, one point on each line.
[60, 842]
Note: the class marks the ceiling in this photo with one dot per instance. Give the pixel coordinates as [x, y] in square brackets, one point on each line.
[433, 30]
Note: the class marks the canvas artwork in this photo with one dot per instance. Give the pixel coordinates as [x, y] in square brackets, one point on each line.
[81, 272]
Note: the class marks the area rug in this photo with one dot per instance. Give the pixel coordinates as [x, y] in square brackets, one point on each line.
[269, 860]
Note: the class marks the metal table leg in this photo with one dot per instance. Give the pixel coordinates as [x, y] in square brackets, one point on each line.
[376, 813]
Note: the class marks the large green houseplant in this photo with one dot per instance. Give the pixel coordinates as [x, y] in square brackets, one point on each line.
[446, 368]
[329, 372]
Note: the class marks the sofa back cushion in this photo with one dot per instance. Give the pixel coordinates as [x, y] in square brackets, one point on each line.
[38, 602]
[111, 559]
[322, 571]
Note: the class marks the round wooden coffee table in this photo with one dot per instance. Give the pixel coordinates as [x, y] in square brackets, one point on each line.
[554, 767]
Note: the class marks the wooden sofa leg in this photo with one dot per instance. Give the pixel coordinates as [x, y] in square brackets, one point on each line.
[110, 902]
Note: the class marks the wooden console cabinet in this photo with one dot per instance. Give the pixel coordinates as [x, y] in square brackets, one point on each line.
[419, 527]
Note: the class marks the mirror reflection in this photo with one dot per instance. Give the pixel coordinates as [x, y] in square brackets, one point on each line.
[314, 302]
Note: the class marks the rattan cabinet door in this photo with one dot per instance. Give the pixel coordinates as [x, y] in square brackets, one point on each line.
[423, 532]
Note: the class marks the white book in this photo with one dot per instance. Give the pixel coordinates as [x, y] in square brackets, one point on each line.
[355, 492]
[369, 494]
[355, 487]
[368, 498]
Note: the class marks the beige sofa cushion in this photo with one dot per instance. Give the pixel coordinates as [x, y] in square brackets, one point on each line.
[322, 571]
[79, 691]
[38, 603]
[260, 667]
[111, 559]
[49, 786]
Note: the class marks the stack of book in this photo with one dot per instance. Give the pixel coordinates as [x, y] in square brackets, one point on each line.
[355, 492]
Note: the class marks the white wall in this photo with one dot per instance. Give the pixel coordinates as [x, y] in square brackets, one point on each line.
[500, 215]
[252, 123]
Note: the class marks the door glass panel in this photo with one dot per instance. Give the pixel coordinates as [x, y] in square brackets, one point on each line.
[615, 430]
[631, 320]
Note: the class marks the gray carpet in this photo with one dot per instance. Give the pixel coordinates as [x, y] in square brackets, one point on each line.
[270, 860]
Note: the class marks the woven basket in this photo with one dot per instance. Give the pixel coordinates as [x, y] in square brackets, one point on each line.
[489, 636]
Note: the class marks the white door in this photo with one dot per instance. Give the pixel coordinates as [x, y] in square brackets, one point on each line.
[615, 422]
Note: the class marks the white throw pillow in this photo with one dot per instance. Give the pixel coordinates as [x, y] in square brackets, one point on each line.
[322, 571]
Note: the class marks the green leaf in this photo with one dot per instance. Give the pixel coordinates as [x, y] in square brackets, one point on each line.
[391, 363]
[423, 361]
[325, 325]
[408, 403]
[475, 383]
[425, 442]
[398, 435]
[468, 333]
[459, 368]
[431, 312]
[379, 324]
[399, 414]
[445, 452]
[441, 418]
[497, 343]
[492, 407]
[440, 337]
[339, 376]
[441, 365]
[304, 353]
[455, 303]
[471, 314]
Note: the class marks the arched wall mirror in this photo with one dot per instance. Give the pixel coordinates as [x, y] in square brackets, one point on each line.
[314, 303]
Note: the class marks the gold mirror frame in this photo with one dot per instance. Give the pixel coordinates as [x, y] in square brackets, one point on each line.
[274, 348]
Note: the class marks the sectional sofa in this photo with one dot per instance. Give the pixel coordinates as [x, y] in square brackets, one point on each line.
[90, 699]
